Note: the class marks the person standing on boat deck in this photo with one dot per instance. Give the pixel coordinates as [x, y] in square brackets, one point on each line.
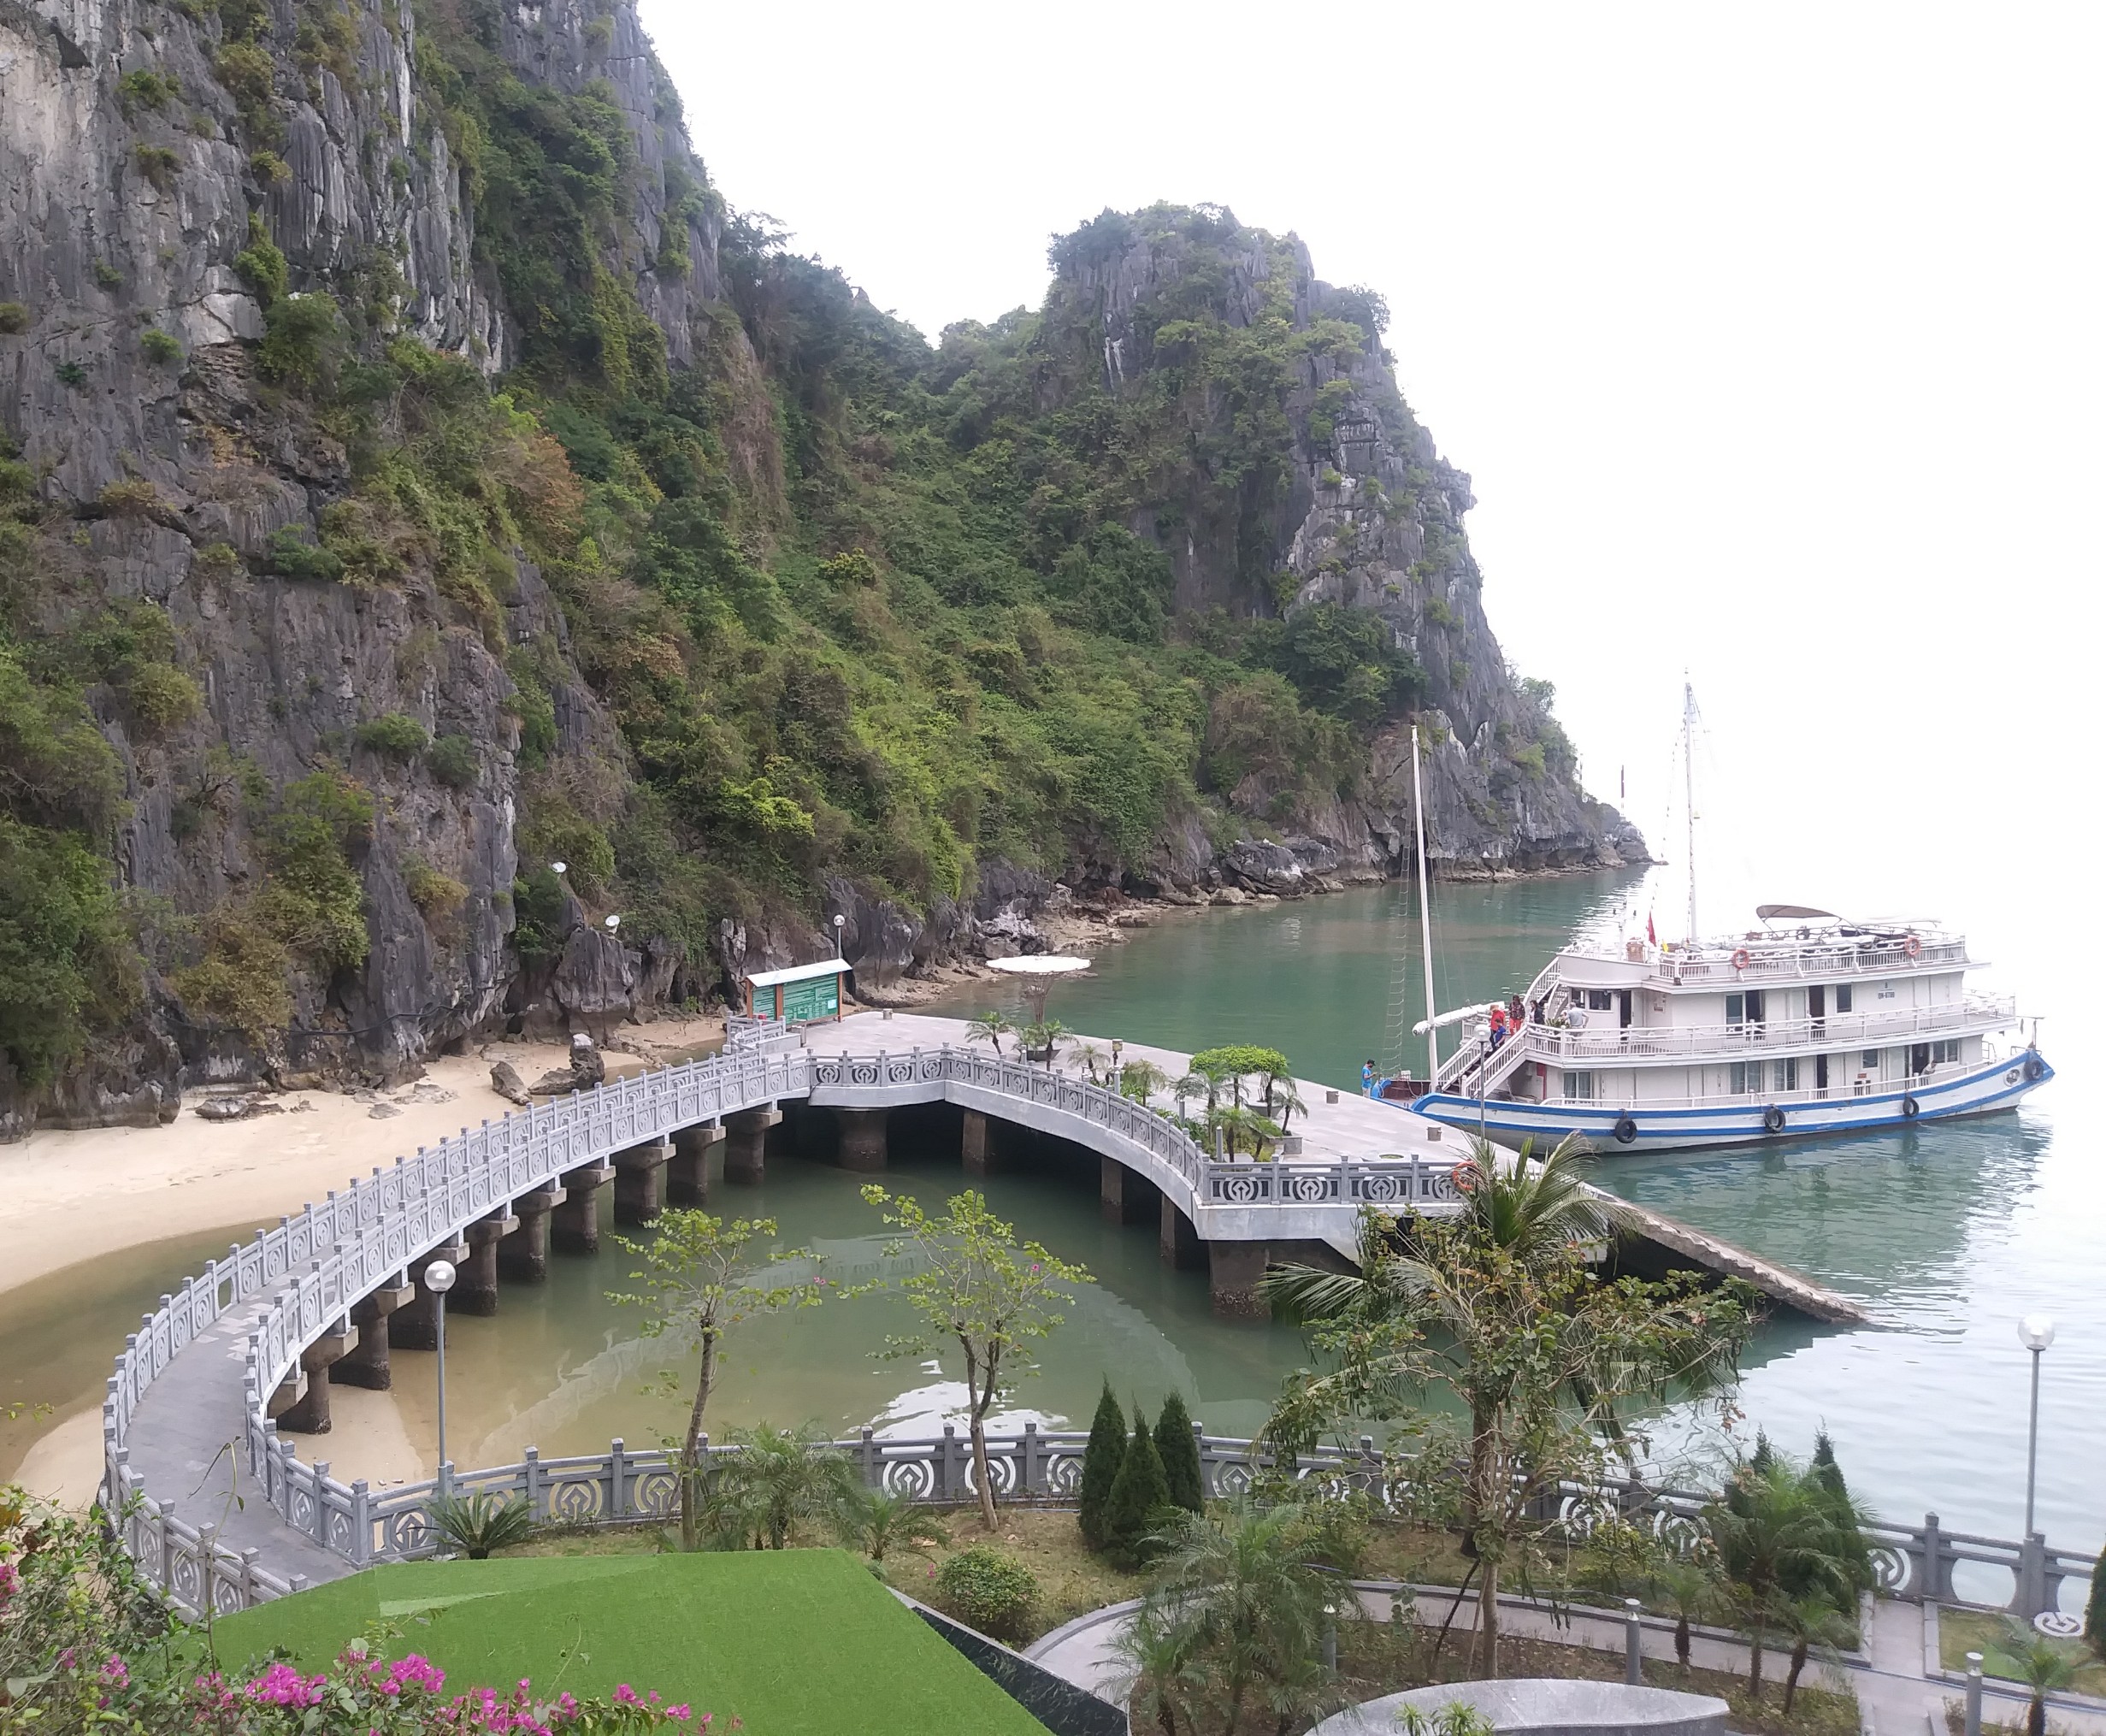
[1367, 1076]
[1498, 1025]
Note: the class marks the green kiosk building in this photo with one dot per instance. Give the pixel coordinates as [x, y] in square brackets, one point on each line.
[800, 994]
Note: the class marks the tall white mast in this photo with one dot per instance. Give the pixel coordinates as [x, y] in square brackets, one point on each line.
[1425, 919]
[1689, 795]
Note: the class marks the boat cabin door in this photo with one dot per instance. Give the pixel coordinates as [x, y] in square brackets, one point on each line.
[1623, 1009]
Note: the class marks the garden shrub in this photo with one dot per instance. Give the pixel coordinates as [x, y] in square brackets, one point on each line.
[1139, 1494]
[988, 1590]
[395, 734]
[2095, 1609]
[454, 761]
[1101, 1463]
[1179, 1450]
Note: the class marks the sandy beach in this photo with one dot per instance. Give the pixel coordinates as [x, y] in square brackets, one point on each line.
[114, 1193]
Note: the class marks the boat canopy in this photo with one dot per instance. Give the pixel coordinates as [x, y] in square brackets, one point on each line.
[1792, 912]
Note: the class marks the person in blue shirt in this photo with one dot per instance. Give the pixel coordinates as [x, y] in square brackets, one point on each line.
[1367, 1077]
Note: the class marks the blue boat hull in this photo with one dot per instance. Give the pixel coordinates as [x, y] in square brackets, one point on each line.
[1984, 1091]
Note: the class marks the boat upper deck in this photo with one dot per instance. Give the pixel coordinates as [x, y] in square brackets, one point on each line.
[1840, 953]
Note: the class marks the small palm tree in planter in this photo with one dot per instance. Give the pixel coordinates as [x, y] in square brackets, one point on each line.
[2045, 1666]
[1139, 1080]
[873, 1522]
[990, 1027]
[1040, 1039]
[1089, 1056]
[479, 1523]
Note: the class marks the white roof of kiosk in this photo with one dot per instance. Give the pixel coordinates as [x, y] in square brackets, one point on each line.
[798, 973]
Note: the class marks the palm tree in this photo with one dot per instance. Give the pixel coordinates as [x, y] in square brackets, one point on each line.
[2045, 1666]
[1808, 1622]
[1281, 1098]
[1156, 1653]
[873, 1522]
[777, 1478]
[1139, 1080]
[1192, 1085]
[990, 1027]
[1690, 1589]
[1042, 1037]
[1536, 1208]
[1778, 1545]
[1089, 1057]
[1237, 1606]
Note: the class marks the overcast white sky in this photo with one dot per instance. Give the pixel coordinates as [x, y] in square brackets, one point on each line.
[1771, 337]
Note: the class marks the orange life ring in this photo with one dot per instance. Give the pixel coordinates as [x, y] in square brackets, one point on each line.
[1911, 947]
[1740, 958]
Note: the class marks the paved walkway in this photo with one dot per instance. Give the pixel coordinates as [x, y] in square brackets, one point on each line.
[1895, 1697]
[1354, 1126]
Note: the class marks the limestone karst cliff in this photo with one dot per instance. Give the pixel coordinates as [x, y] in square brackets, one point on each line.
[414, 476]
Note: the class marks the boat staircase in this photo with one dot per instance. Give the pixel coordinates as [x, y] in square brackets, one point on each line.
[1480, 1070]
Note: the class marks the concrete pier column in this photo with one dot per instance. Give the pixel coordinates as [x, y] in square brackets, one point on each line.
[414, 1325]
[476, 1290]
[746, 1144]
[311, 1415]
[862, 1139]
[687, 1177]
[365, 1364]
[1236, 1268]
[1112, 1190]
[977, 1148]
[522, 1256]
[575, 1227]
[639, 1181]
[1180, 1243]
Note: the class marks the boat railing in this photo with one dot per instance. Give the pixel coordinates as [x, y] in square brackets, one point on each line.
[1727, 1042]
[1771, 961]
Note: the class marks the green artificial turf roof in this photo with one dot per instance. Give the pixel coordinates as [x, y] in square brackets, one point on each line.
[791, 1642]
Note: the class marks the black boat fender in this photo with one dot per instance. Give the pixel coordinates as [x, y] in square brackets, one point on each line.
[1625, 1129]
[2034, 1067]
[1772, 1120]
[1909, 1106]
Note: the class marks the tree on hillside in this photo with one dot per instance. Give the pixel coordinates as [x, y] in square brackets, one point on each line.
[704, 1276]
[1179, 1450]
[1100, 1463]
[1500, 1307]
[1139, 1494]
[977, 1285]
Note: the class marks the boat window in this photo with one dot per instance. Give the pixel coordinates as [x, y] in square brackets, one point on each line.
[1919, 1058]
[1843, 997]
[1785, 1075]
[1579, 1086]
[1743, 1077]
[1755, 1006]
[1946, 1050]
[1872, 1058]
[1734, 1012]
[1598, 1001]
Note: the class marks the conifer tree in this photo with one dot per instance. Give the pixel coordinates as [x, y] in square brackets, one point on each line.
[1100, 1463]
[1825, 1466]
[1139, 1493]
[1180, 1454]
[2095, 1609]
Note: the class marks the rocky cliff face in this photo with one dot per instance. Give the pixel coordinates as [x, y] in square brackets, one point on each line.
[317, 654]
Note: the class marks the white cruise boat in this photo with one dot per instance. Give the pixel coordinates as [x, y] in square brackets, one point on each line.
[1808, 1025]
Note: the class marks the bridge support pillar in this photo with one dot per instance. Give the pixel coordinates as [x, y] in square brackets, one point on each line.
[978, 1147]
[687, 1177]
[365, 1364]
[311, 1415]
[745, 1142]
[1180, 1242]
[476, 1290]
[1236, 1268]
[639, 1181]
[414, 1325]
[862, 1139]
[523, 1255]
[1110, 1190]
[575, 1227]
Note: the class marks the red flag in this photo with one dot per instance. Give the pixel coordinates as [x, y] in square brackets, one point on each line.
[1650, 935]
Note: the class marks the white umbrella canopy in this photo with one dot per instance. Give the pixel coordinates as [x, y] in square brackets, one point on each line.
[1037, 970]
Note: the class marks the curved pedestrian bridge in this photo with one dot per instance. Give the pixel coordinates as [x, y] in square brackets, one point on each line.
[207, 1395]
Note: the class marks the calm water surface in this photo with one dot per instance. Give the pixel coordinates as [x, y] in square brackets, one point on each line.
[1948, 1234]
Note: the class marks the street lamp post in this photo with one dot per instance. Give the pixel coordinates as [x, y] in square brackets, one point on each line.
[2036, 1333]
[439, 1280]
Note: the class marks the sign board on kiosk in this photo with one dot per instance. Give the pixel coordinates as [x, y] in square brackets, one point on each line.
[800, 994]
